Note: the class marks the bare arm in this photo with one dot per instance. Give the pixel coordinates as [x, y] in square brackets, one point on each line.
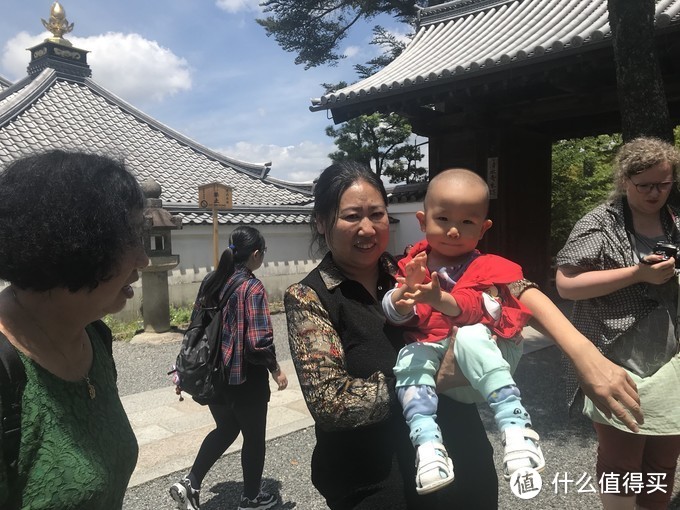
[414, 273]
[280, 378]
[608, 385]
[402, 305]
[573, 283]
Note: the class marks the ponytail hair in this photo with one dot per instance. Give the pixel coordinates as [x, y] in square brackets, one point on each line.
[243, 242]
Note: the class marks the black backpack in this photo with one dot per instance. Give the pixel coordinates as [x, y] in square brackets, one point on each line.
[199, 366]
[12, 384]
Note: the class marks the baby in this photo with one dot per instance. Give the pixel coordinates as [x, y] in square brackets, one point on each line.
[444, 282]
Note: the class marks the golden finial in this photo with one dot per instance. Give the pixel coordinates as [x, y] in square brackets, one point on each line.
[58, 25]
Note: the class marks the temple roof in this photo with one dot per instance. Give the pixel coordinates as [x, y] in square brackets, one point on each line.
[4, 83]
[401, 193]
[54, 107]
[464, 39]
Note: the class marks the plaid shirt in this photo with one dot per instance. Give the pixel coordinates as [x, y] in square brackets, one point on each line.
[247, 334]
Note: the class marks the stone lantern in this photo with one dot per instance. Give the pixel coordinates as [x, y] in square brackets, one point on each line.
[158, 246]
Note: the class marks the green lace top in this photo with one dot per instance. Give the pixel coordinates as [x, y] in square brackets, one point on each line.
[76, 453]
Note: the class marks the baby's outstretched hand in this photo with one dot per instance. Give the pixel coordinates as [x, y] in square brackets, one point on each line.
[428, 293]
[432, 293]
[415, 270]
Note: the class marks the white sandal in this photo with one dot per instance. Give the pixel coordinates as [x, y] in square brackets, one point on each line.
[434, 468]
[521, 450]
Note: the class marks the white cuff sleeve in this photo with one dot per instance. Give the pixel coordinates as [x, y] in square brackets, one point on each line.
[393, 316]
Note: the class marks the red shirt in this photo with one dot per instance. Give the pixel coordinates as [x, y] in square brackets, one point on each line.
[483, 272]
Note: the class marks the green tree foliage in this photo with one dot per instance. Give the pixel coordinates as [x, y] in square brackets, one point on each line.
[314, 29]
[392, 48]
[380, 141]
[581, 180]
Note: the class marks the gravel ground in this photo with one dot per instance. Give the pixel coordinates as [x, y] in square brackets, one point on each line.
[568, 443]
[144, 366]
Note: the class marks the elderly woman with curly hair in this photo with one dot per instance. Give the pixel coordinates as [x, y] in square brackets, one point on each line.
[626, 303]
[70, 247]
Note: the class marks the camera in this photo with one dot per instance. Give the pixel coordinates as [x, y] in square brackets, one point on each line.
[667, 250]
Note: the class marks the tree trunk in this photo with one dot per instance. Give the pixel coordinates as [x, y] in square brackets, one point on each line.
[642, 100]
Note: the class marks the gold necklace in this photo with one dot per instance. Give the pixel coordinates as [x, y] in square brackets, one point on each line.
[92, 392]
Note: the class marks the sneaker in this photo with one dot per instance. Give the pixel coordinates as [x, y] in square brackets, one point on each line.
[263, 501]
[185, 495]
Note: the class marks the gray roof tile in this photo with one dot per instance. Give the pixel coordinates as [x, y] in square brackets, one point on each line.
[463, 38]
[4, 83]
[50, 112]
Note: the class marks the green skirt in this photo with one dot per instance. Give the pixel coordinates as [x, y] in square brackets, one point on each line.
[660, 399]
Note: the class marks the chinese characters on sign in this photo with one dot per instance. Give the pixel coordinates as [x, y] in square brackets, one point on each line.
[492, 177]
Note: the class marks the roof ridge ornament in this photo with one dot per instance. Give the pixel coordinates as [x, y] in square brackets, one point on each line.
[58, 25]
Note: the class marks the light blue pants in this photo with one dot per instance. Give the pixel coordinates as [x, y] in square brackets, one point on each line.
[486, 365]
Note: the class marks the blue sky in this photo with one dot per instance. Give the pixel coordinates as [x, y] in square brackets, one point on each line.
[203, 67]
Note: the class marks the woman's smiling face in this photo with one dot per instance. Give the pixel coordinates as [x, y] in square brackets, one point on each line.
[361, 230]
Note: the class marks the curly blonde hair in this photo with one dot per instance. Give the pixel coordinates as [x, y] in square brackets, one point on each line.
[640, 154]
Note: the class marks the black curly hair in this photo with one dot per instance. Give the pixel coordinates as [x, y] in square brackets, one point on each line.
[66, 219]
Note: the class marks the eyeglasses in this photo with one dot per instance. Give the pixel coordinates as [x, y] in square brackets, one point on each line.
[647, 188]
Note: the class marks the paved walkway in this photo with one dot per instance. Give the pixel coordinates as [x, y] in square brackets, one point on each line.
[170, 432]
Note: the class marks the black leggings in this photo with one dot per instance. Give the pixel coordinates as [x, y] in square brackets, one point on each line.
[251, 420]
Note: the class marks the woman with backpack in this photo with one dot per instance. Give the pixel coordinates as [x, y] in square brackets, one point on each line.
[248, 355]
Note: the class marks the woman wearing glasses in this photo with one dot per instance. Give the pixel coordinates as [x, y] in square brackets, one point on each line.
[626, 303]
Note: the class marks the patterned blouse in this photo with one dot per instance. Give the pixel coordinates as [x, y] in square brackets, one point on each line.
[336, 396]
[599, 241]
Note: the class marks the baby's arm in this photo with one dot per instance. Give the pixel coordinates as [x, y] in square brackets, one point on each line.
[414, 273]
[431, 294]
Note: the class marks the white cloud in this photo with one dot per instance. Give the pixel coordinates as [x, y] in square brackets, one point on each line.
[130, 66]
[14, 55]
[402, 33]
[297, 163]
[234, 6]
[351, 51]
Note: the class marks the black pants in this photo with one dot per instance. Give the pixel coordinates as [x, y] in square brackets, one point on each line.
[476, 483]
[248, 418]
[373, 468]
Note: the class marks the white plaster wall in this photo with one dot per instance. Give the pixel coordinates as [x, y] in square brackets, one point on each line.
[407, 231]
[194, 243]
[285, 243]
[183, 284]
[288, 258]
